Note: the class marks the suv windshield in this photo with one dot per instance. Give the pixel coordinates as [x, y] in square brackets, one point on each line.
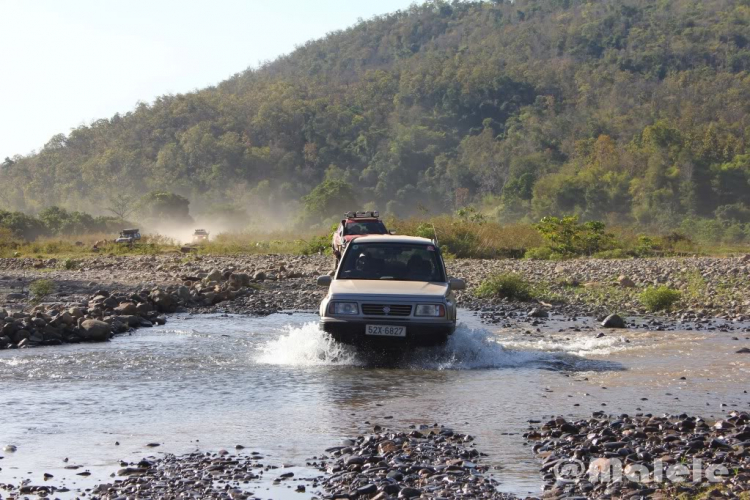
[392, 261]
[365, 227]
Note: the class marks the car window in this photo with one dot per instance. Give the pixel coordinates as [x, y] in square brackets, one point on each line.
[392, 261]
[366, 227]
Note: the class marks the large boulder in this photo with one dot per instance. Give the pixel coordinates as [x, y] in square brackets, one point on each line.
[235, 281]
[21, 335]
[110, 302]
[163, 301]
[625, 282]
[126, 309]
[214, 275]
[9, 328]
[67, 318]
[76, 312]
[52, 333]
[184, 293]
[131, 320]
[243, 278]
[94, 330]
[613, 321]
[538, 312]
[143, 308]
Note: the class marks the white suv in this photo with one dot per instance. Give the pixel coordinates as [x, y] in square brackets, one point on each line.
[390, 288]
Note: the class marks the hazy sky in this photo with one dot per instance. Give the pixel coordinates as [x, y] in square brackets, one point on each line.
[64, 63]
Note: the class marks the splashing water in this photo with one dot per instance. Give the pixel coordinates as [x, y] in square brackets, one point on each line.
[306, 345]
[586, 346]
[466, 349]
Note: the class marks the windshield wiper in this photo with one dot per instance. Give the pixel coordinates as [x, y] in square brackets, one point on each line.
[386, 277]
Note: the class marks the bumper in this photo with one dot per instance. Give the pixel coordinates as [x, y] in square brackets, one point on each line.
[352, 331]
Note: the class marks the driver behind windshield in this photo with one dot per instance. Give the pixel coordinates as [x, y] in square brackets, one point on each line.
[368, 267]
[401, 263]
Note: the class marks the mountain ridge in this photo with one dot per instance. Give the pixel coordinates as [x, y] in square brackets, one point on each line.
[628, 111]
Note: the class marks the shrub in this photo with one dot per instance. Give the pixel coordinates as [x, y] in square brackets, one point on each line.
[472, 239]
[463, 243]
[70, 264]
[8, 240]
[646, 246]
[617, 253]
[539, 253]
[659, 299]
[507, 285]
[425, 230]
[567, 237]
[470, 214]
[315, 245]
[40, 290]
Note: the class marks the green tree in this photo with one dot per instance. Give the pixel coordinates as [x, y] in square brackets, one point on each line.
[329, 198]
[567, 237]
[165, 206]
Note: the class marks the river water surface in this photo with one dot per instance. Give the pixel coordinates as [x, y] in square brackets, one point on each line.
[279, 387]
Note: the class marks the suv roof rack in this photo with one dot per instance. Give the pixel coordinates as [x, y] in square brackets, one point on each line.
[362, 214]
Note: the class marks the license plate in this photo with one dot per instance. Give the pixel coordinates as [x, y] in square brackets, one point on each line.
[386, 330]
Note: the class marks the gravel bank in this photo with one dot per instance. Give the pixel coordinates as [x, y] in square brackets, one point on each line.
[649, 454]
[429, 463]
[712, 288]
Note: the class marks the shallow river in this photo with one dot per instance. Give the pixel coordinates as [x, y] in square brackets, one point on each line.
[278, 386]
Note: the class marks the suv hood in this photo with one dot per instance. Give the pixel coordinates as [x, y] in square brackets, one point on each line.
[390, 288]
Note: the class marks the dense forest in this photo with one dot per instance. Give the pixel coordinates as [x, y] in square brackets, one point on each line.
[627, 111]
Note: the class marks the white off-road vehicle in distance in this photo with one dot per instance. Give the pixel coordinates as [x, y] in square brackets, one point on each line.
[390, 289]
[129, 236]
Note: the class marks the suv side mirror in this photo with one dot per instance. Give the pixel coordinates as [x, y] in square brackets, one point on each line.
[456, 284]
[392, 231]
[324, 280]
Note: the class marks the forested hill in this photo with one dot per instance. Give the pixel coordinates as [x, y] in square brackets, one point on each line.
[627, 110]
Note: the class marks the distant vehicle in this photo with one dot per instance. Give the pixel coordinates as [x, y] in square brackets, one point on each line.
[390, 288]
[353, 225]
[200, 236]
[129, 236]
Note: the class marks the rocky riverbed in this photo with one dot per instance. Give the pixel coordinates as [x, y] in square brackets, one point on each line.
[96, 319]
[430, 462]
[659, 456]
[605, 456]
[712, 288]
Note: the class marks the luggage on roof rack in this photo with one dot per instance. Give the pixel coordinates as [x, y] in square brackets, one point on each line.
[362, 214]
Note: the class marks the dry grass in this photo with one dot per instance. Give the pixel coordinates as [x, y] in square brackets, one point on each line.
[82, 245]
[470, 239]
[458, 237]
[285, 242]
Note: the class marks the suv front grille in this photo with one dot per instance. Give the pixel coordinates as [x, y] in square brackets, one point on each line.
[386, 309]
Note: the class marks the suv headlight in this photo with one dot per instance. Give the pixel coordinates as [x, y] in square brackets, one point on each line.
[344, 308]
[435, 310]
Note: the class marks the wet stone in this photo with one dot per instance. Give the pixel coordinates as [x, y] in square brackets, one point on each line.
[433, 462]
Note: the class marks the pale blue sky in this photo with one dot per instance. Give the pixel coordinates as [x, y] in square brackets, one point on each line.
[64, 63]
